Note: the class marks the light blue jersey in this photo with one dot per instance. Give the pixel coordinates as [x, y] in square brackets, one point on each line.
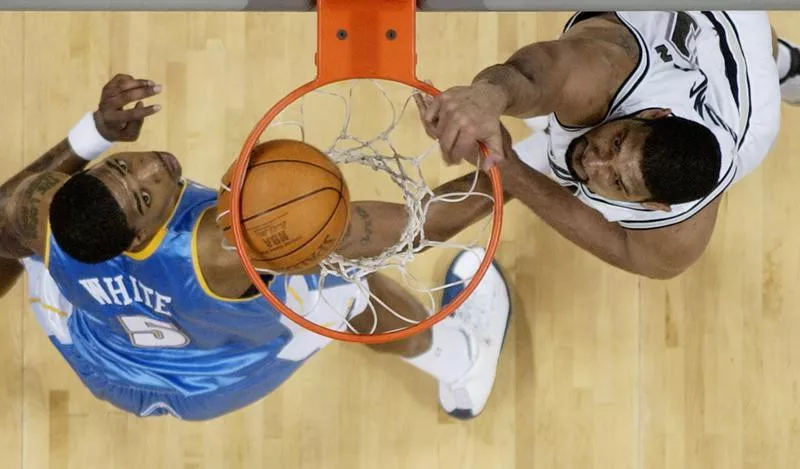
[148, 335]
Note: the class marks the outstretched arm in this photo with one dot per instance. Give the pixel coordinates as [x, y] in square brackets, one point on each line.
[576, 74]
[375, 226]
[658, 253]
[575, 77]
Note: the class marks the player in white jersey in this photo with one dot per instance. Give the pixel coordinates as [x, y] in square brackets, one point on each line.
[646, 118]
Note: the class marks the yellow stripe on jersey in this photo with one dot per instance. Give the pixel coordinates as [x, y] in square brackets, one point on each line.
[198, 272]
[290, 290]
[47, 246]
[47, 307]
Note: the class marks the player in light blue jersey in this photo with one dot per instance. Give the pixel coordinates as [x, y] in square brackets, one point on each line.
[128, 277]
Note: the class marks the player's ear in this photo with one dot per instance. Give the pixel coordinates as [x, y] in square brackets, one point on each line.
[657, 206]
[655, 113]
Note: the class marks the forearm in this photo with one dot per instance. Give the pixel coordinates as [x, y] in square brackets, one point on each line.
[530, 80]
[60, 158]
[376, 226]
[446, 219]
[574, 220]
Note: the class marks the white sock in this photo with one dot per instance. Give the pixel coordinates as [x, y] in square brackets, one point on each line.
[448, 358]
[784, 60]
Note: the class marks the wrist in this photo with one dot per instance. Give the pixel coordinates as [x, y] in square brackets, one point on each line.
[495, 94]
[85, 140]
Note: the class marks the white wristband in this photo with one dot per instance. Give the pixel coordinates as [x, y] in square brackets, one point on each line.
[85, 140]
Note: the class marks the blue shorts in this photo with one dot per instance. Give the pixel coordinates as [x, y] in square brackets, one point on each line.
[148, 402]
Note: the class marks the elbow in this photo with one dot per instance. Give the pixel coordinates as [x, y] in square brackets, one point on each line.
[663, 274]
[652, 269]
[665, 271]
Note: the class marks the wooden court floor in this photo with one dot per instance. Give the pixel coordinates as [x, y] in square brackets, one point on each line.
[602, 370]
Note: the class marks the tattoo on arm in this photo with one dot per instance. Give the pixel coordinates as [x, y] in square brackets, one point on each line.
[21, 217]
[60, 158]
[28, 216]
[365, 218]
[346, 237]
[363, 229]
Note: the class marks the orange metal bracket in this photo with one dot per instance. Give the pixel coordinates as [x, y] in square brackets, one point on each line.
[366, 39]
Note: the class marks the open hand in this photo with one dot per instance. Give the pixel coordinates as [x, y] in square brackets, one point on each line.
[113, 121]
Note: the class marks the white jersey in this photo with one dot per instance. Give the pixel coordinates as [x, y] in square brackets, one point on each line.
[696, 64]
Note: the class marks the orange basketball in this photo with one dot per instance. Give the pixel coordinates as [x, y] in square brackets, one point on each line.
[295, 206]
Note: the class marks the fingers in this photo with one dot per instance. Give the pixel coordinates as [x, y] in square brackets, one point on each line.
[122, 82]
[139, 112]
[465, 147]
[432, 111]
[126, 82]
[422, 105]
[460, 126]
[117, 78]
[131, 131]
[447, 140]
[494, 152]
[133, 91]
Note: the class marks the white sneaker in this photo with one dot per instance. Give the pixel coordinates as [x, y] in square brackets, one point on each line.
[790, 83]
[484, 320]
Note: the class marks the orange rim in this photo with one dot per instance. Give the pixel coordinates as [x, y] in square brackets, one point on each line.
[367, 50]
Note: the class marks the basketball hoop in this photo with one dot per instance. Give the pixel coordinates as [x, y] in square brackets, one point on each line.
[361, 40]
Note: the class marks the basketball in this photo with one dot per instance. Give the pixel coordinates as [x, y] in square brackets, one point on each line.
[295, 206]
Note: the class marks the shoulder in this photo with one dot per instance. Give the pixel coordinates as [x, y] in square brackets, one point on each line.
[607, 54]
[610, 33]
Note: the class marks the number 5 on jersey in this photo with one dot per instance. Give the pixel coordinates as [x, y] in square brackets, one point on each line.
[151, 333]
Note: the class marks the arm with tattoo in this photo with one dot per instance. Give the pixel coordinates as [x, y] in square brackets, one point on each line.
[25, 214]
[375, 226]
[60, 158]
[23, 219]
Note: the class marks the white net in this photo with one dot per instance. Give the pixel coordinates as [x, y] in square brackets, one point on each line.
[384, 138]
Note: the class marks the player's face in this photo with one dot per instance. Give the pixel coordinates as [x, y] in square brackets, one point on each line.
[146, 185]
[608, 160]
